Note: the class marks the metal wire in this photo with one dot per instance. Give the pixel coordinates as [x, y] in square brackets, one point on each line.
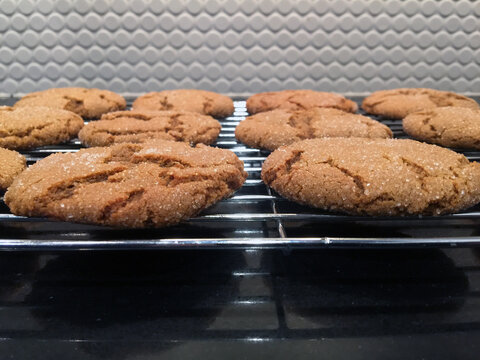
[253, 217]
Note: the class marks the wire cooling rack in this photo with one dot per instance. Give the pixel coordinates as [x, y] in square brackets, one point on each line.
[254, 217]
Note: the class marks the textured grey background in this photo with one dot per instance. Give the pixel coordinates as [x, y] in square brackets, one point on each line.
[237, 47]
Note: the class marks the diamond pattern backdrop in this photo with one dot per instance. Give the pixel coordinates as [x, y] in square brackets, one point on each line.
[237, 47]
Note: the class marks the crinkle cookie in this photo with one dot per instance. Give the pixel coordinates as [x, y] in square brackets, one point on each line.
[138, 126]
[298, 100]
[88, 103]
[154, 184]
[398, 103]
[374, 176]
[271, 129]
[28, 127]
[11, 164]
[448, 126]
[199, 101]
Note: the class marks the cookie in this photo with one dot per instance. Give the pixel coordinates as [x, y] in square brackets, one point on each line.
[199, 101]
[398, 103]
[28, 127]
[298, 100]
[374, 176]
[11, 164]
[153, 184]
[448, 126]
[88, 103]
[140, 126]
[271, 129]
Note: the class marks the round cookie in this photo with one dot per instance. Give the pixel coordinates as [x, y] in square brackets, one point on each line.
[88, 103]
[272, 129]
[398, 103]
[298, 100]
[447, 126]
[28, 127]
[11, 164]
[154, 184]
[140, 126]
[373, 176]
[199, 101]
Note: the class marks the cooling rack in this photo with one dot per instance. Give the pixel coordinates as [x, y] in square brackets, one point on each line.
[254, 217]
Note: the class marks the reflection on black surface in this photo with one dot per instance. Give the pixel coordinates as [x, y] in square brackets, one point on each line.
[359, 293]
[134, 296]
[393, 227]
[132, 304]
[15, 269]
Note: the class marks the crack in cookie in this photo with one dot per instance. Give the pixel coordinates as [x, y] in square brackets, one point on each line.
[398, 103]
[272, 129]
[157, 183]
[139, 126]
[199, 101]
[373, 176]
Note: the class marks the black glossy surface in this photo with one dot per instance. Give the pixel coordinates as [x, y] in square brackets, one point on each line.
[328, 304]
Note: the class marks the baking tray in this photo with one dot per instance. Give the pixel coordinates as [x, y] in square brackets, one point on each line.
[254, 217]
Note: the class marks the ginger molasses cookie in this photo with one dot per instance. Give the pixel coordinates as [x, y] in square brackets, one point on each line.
[11, 164]
[298, 100]
[154, 184]
[138, 126]
[29, 126]
[199, 101]
[271, 129]
[398, 103]
[448, 126]
[374, 176]
[88, 103]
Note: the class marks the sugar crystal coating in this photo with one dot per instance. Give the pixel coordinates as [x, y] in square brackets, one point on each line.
[11, 164]
[31, 126]
[398, 103]
[139, 126]
[88, 103]
[199, 101]
[298, 100]
[448, 126]
[157, 183]
[271, 129]
[374, 176]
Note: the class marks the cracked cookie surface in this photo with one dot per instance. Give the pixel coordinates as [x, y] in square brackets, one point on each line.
[298, 100]
[11, 164]
[154, 184]
[140, 126]
[448, 126]
[272, 129]
[199, 101]
[88, 103]
[374, 176]
[398, 103]
[28, 127]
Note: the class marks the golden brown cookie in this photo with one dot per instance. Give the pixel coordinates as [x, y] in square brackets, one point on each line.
[374, 176]
[138, 126]
[271, 129]
[88, 103]
[448, 126]
[28, 127]
[298, 100]
[157, 183]
[199, 101]
[398, 103]
[11, 164]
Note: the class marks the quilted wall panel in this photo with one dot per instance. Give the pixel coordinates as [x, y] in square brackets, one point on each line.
[239, 47]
